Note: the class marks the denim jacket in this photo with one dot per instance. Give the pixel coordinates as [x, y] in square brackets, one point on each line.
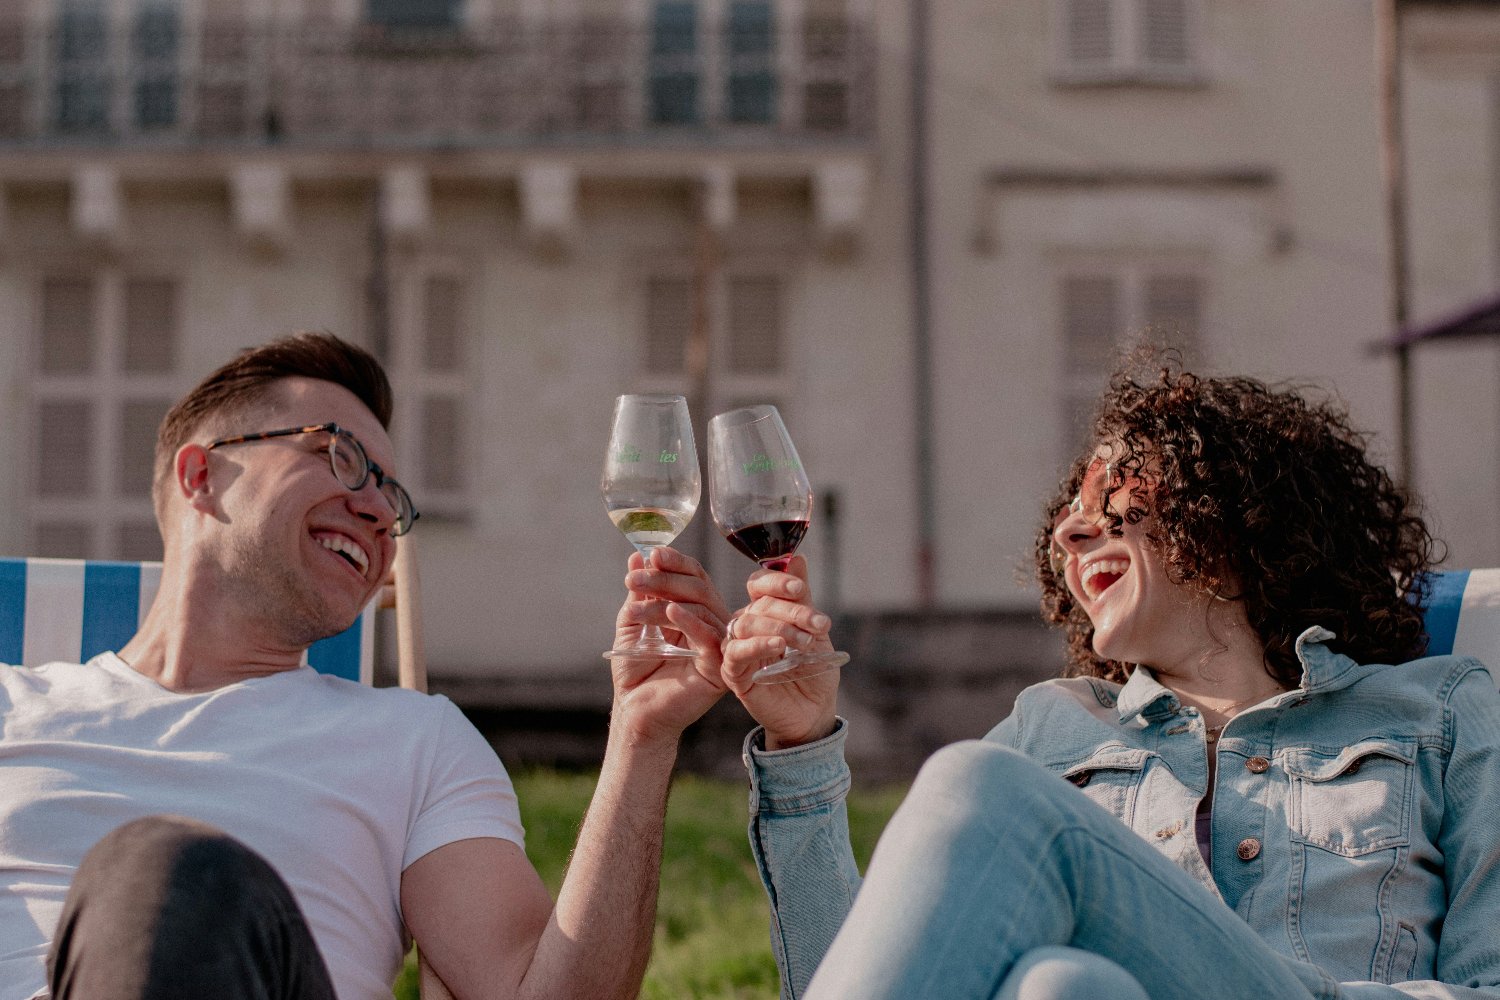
[1355, 822]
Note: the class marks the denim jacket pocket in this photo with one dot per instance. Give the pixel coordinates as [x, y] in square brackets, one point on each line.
[1352, 801]
[1111, 776]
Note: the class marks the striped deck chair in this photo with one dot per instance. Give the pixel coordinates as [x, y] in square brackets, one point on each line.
[1463, 615]
[71, 610]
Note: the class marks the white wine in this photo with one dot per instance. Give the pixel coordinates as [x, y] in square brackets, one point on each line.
[648, 527]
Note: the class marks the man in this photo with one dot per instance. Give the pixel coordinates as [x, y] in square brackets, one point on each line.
[254, 829]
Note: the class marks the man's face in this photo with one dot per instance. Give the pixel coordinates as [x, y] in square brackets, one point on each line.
[295, 544]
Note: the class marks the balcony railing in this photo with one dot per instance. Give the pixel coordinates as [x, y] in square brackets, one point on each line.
[155, 83]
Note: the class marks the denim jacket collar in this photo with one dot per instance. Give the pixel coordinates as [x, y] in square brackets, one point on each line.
[1145, 698]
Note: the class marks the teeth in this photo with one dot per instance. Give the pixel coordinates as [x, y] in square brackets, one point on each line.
[1093, 569]
[338, 543]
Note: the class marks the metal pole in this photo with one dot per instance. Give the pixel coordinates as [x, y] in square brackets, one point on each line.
[699, 352]
[377, 286]
[1393, 174]
[926, 485]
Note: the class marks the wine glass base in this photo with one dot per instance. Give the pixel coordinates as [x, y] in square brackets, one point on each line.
[651, 651]
[797, 666]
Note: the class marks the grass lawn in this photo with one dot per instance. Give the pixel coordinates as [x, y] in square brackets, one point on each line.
[712, 937]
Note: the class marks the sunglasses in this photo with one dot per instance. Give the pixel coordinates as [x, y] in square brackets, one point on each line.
[1101, 481]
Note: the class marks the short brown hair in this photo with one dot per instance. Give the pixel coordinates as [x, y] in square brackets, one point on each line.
[250, 377]
[1259, 493]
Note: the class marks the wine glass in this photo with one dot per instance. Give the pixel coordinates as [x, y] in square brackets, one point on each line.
[651, 487]
[762, 502]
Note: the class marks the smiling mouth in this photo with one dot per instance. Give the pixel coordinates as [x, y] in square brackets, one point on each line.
[1097, 577]
[346, 549]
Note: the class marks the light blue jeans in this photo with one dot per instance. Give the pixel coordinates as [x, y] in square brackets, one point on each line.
[1049, 898]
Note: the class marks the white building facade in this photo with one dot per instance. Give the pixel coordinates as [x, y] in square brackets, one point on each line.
[527, 207]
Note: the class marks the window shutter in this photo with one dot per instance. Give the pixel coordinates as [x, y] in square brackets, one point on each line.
[138, 541]
[441, 310]
[1091, 318]
[1164, 34]
[135, 459]
[71, 540]
[12, 38]
[1089, 30]
[67, 326]
[223, 77]
[150, 325]
[1173, 304]
[669, 323]
[15, 85]
[442, 444]
[754, 324]
[65, 448]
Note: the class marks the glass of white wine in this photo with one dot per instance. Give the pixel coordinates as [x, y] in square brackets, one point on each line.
[651, 487]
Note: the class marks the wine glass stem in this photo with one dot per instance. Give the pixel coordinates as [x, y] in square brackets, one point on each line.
[650, 634]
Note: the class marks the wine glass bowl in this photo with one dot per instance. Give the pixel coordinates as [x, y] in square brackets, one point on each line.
[651, 486]
[762, 501]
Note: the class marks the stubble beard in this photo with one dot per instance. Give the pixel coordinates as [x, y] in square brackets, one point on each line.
[292, 609]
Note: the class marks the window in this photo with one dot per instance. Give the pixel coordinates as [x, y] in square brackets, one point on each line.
[745, 311]
[83, 77]
[672, 97]
[751, 48]
[414, 13]
[105, 375]
[1125, 41]
[154, 45]
[1104, 307]
[427, 357]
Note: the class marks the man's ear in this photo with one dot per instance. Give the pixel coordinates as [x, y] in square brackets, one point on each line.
[190, 476]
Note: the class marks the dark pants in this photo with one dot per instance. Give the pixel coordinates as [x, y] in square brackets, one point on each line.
[166, 908]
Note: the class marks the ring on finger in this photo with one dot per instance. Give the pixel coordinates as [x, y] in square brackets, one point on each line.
[729, 628]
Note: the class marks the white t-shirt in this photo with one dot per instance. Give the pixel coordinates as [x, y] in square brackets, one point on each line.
[337, 785]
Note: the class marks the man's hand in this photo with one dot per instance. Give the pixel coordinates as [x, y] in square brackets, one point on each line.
[657, 699]
[781, 615]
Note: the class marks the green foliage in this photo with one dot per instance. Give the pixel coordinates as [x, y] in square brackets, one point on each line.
[712, 939]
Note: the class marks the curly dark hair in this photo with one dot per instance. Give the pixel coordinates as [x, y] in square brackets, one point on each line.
[1259, 494]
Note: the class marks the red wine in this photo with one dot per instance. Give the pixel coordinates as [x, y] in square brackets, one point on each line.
[771, 543]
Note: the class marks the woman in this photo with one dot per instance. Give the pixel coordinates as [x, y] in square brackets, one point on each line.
[1256, 804]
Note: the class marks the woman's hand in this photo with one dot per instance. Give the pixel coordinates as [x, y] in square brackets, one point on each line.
[780, 616]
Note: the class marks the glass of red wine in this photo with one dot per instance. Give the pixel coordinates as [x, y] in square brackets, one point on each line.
[762, 502]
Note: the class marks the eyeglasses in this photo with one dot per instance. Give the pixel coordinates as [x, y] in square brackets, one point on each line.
[1101, 480]
[351, 467]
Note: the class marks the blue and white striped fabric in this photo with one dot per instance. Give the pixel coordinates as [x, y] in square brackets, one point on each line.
[1463, 614]
[72, 610]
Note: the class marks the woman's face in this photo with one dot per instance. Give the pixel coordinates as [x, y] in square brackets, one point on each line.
[1140, 615]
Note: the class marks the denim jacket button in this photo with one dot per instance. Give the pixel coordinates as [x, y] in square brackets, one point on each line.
[1249, 849]
[1257, 765]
